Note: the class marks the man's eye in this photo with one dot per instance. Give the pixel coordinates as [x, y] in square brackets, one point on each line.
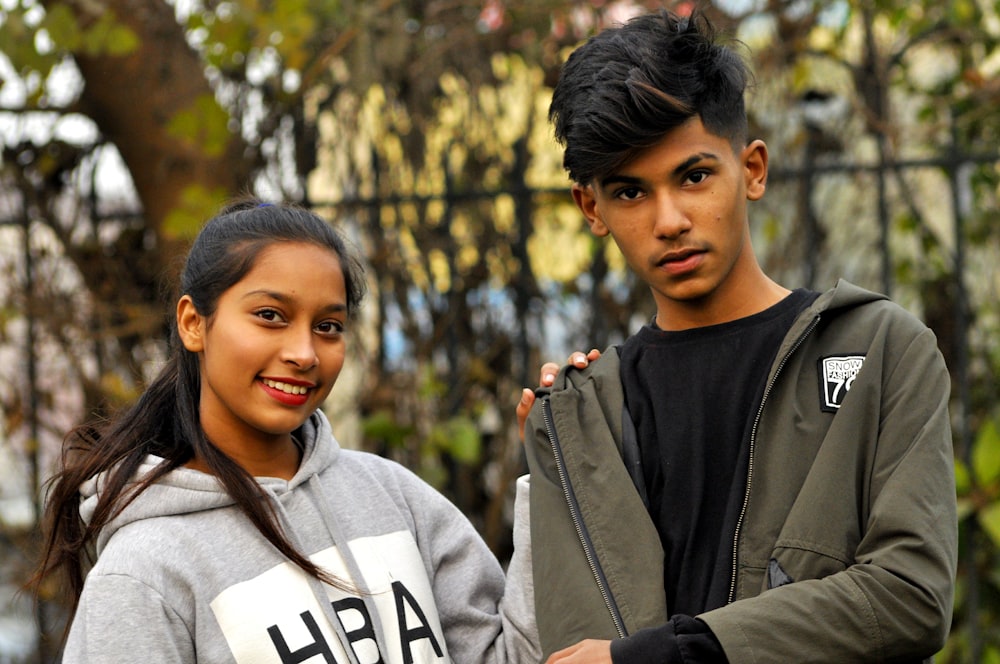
[629, 193]
[697, 177]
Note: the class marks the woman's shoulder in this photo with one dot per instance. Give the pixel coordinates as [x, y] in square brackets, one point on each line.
[376, 466]
[369, 460]
[368, 471]
[142, 548]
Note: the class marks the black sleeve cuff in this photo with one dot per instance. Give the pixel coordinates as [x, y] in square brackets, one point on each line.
[683, 640]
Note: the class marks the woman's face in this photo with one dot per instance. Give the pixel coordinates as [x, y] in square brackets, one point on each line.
[274, 347]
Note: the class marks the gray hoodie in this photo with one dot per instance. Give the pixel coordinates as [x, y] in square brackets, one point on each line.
[183, 576]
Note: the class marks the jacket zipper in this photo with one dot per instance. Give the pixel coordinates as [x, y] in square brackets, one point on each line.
[577, 519]
[753, 442]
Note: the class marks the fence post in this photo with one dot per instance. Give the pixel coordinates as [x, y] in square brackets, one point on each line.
[961, 196]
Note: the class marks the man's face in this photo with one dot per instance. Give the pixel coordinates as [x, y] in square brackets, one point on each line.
[678, 213]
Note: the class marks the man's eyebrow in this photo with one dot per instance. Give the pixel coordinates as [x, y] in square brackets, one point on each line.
[619, 178]
[694, 159]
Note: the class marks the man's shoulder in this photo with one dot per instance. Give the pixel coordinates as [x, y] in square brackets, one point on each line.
[601, 375]
[845, 296]
[592, 390]
[856, 306]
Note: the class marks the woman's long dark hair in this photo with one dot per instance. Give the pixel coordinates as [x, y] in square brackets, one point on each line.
[164, 420]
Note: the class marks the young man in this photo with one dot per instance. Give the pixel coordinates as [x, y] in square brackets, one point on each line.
[758, 474]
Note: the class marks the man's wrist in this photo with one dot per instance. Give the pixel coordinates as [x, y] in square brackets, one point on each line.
[682, 640]
[653, 644]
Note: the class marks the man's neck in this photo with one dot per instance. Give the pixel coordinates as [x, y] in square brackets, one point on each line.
[720, 307]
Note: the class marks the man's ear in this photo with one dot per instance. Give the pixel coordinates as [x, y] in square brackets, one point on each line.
[190, 325]
[755, 169]
[583, 195]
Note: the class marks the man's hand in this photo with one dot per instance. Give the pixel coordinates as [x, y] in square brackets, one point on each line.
[584, 652]
[546, 377]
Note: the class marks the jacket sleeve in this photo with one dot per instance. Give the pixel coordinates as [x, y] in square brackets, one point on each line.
[482, 621]
[893, 601]
[609, 539]
[142, 624]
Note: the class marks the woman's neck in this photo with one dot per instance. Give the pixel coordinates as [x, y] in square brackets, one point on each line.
[280, 459]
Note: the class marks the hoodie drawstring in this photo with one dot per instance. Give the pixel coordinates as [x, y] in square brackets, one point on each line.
[317, 587]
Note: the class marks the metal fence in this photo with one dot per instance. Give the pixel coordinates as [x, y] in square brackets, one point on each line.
[795, 188]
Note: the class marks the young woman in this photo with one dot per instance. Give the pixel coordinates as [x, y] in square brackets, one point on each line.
[224, 523]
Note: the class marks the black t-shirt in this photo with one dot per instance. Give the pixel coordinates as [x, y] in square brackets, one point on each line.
[693, 395]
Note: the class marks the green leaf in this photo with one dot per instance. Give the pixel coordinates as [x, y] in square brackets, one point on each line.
[382, 426]
[430, 386]
[206, 125]
[464, 442]
[965, 508]
[61, 25]
[990, 655]
[197, 204]
[989, 520]
[121, 40]
[963, 479]
[109, 37]
[986, 454]
[18, 38]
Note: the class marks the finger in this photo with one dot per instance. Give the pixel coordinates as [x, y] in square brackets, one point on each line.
[593, 354]
[547, 376]
[523, 408]
[579, 359]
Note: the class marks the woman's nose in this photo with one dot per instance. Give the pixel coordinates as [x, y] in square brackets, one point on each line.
[300, 349]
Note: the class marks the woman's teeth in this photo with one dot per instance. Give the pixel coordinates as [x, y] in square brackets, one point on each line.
[285, 387]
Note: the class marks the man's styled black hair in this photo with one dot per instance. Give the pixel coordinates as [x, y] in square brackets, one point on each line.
[628, 86]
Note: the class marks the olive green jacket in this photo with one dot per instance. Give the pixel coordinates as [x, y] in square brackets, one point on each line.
[846, 545]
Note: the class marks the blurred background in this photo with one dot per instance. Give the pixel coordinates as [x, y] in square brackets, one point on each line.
[419, 128]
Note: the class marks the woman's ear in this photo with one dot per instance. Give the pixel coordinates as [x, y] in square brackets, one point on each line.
[190, 325]
[755, 169]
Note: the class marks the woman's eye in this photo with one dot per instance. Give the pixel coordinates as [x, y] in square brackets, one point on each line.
[270, 315]
[330, 327]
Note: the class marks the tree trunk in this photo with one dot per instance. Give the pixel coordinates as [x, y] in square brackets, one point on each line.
[132, 99]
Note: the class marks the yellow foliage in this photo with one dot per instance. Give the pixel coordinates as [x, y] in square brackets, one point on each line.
[560, 248]
[471, 140]
[501, 265]
[440, 272]
[468, 256]
[503, 213]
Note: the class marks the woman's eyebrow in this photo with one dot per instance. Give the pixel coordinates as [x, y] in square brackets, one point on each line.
[333, 307]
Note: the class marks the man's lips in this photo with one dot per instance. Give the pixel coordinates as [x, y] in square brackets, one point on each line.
[681, 261]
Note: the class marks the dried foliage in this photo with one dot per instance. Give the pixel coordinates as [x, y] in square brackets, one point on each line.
[420, 126]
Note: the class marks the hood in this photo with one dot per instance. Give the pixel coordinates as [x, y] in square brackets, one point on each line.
[184, 490]
[844, 296]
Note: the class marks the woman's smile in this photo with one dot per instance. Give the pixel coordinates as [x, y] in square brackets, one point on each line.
[288, 390]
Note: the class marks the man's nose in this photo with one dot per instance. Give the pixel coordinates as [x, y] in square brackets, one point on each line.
[671, 219]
